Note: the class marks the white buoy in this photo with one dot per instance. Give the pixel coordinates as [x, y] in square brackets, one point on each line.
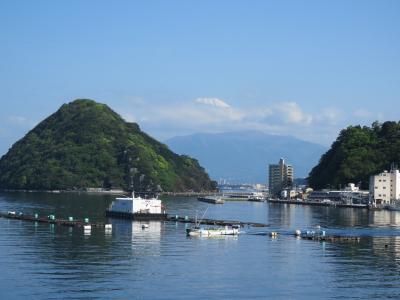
[297, 232]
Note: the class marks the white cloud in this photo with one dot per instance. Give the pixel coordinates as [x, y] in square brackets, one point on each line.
[292, 113]
[213, 102]
[329, 116]
[129, 117]
[187, 114]
[216, 115]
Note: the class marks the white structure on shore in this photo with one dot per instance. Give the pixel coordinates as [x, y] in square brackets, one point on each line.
[280, 177]
[385, 187]
[351, 194]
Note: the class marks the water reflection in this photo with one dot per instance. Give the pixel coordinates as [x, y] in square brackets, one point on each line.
[144, 241]
[42, 261]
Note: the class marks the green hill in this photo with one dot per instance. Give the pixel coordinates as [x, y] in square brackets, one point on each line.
[86, 144]
[358, 153]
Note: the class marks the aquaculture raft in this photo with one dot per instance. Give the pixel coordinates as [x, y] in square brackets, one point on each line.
[80, 223]
[186, 219]
[51, 220]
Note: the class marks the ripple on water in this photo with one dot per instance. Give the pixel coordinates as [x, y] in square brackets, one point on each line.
[41, 261]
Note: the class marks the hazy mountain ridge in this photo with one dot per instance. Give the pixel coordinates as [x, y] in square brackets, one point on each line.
[244, 156]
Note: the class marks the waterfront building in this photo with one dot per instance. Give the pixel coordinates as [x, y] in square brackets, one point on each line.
[349, 195]
[385, 187]
[280, 177]
[289, 193]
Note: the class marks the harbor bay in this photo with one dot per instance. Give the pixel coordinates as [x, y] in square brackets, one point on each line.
[161, 262]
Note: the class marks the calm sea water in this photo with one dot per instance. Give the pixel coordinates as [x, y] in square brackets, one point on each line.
[40, 261]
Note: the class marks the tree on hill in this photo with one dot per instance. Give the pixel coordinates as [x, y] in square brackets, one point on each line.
[86, 144]
[357, 153]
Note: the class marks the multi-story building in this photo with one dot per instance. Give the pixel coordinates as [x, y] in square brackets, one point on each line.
[280, 177]
[385, 187]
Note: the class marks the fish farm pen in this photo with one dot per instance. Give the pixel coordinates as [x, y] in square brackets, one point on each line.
[319, 236]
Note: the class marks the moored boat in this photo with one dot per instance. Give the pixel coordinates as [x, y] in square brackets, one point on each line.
[257, 198]
[212, 231]
[137, 208]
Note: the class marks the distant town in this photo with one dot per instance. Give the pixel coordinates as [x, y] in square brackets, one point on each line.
[282, 187]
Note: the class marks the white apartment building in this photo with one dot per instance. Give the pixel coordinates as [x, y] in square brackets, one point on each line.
[384, 188]
[280, 177]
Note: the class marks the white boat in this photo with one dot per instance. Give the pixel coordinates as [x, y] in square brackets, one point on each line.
[212, 199]
[137, 208]
[212, 231]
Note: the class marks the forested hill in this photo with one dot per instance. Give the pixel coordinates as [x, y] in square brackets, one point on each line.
[358, 153]
[86, 144]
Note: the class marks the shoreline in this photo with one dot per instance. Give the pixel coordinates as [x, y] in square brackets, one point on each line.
[107, 192]
[110, 192]
[361, 206]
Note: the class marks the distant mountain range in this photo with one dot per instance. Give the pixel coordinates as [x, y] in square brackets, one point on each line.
[244, 156]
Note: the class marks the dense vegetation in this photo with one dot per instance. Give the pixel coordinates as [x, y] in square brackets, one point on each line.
[358, 153]
[86, 144]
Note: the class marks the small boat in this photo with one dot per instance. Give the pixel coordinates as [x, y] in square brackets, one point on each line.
[212, 199]
[244, 196]
[257, 198]
[198, 230]
[212, 231]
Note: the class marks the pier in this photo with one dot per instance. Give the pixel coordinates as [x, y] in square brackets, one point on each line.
[313, 203]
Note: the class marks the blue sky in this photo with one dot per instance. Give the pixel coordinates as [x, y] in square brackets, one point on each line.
[302, 68]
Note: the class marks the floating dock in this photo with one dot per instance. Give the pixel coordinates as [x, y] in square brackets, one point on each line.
[318, 236]
[212, 199]
[186, 219]
[79, 223]
[52, 220]
[331, 238]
